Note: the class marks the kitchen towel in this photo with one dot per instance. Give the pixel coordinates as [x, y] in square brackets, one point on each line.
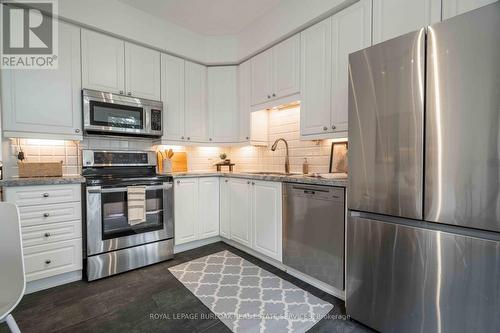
[136, 204]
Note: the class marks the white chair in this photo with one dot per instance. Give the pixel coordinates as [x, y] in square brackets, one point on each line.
[12, 281]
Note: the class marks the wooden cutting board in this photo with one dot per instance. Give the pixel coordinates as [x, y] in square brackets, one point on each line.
[179, 162]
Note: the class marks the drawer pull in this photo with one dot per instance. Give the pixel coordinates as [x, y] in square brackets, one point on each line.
[47, 234]
[45, 195]
[46, 214]
[48, 261]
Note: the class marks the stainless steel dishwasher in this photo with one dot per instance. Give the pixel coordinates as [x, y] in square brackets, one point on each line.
[313, 231]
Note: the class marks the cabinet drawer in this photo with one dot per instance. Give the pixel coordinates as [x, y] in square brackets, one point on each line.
[50, 233]
[47, 260]
[40, 195]
[43, 214]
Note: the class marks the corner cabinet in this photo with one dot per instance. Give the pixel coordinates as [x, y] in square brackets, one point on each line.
[392, 18]
[113, 65]
[46, 103]
[325, 49]
[223, 115]
[276, 72]
[196, 209]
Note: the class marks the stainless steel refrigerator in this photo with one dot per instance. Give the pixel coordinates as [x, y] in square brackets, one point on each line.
[423, 233]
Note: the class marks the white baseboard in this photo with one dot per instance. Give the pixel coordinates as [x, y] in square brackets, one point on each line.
[52, 281]
[193, 245]
[301, 276]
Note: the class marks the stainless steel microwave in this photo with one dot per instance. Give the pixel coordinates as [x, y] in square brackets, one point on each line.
[107, 113]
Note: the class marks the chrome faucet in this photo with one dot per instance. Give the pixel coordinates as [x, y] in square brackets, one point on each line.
[287, 159]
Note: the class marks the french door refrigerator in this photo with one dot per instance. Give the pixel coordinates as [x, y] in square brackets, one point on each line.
[423, 233]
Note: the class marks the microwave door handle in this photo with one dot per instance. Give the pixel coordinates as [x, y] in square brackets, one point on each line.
[124, 189]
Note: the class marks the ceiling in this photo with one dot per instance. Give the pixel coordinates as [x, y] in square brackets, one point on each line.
[207, 17]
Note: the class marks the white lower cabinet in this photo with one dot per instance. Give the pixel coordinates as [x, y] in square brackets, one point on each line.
[254, 215]
[240, 211]
[196, 209]
[51, 228]
[266, 218]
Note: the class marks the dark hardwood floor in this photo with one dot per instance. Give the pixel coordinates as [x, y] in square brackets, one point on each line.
[125, 303]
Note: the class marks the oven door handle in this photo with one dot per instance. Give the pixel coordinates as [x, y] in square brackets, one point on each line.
[165, 186]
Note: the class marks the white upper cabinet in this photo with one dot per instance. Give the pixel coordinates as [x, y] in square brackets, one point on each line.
[142, 72]
[392, 18]
[196, 102]
[351, 31]
[286, 67]
[315, 72]
[266, 218]
[276, 72]
[208, 207]
[240, 211]
[244, 100]
[172, 96]
[456, 7]
[223, 104]
[46, 103]
[261, 74]
[103, 62]
[112, 65]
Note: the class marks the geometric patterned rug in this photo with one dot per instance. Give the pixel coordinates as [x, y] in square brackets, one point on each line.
[247, 298]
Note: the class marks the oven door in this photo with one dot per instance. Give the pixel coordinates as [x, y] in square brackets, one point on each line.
[107, 219]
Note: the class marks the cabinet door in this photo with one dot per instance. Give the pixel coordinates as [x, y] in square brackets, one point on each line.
[186, 210]
[142, 72]
[172, 96]
[196, 102]
[240, 212]
[266, 218]
[46, 101]
[315, 72]
[261, 67]
[224, 204]
[244, 96]
[222, 104]
[351, 31]
[456, 7]
[103, 62]
[392, 18]
[208, 207]
[286, 67]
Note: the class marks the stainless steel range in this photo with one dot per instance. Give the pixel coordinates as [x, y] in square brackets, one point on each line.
[113, 243]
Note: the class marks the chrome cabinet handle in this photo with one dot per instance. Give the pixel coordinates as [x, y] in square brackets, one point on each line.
[334, 127]
[47, 234]
[46, 214]
[129, 93]
[253, 183]
[268, 96]
[45, 195]
[178, 182]
[48, 261]
[188, 138]
[77, 130]
[226, 180]
[274, 95]
[182, 137]
[121, 92]
[248, 182]
[325, 128]
[210, 139]
[248, 138]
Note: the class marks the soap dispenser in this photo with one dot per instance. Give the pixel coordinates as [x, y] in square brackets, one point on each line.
[305, 167]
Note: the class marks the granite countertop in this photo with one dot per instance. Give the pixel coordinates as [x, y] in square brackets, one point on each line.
[16, 181]
[341, 180]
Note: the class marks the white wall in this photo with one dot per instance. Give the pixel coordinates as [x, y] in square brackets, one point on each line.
[133, 24]
[283, 20]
